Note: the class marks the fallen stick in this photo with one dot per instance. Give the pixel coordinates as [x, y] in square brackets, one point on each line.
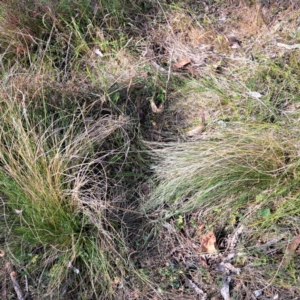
[13, 277]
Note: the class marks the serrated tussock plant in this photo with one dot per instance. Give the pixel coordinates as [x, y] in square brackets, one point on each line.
[57, 194]
[238, 173]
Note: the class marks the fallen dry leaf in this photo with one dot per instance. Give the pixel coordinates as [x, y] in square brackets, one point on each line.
[2, 253]
[208, 241]
[98, 52]
[195, 131]
[291, 250]
[234, 42]
[295, 243]
[257, 293]
[156, 109]
[235, 46]
[255, 95]
[182, 63]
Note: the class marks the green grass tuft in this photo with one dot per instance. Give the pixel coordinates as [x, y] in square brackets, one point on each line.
[229, 172]
[59, 200]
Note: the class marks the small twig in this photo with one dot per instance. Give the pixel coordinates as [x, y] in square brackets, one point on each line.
[3, 288]
[198, 291]
[13, 277]
[27, 294]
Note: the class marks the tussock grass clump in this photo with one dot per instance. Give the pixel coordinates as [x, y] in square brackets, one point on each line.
[247, 176]
[238, 173]
[61, 197]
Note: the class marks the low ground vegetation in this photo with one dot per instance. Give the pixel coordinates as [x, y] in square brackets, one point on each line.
[149, 150]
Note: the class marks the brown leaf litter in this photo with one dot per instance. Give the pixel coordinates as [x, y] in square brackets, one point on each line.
[181, 63]
[208, 243]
